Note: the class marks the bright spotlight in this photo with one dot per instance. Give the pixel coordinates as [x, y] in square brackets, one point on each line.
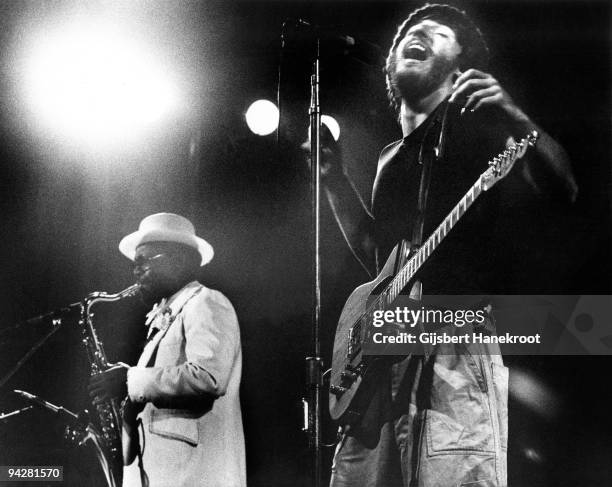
[332, 125]
[96, 84]
[262, 117]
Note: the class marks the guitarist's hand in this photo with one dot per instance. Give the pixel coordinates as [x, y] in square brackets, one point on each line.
[475, 89]
[552, 175]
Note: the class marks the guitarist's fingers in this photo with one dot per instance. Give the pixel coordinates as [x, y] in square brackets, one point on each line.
[470, 74]
[473, 101]
[495, 99]
[466, 88]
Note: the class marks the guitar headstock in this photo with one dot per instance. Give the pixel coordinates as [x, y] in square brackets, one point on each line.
[501, 165]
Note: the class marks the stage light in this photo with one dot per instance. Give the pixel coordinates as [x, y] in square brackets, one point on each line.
[532, 455]
[531, 392]
[262, 117]
[93, 83]
[332, 125]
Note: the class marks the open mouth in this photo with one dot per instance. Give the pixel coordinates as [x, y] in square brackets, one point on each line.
[417, 52]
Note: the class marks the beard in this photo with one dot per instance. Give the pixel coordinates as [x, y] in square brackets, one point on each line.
[415, 83]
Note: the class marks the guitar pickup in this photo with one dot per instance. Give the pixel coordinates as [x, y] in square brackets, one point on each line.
[337, 390]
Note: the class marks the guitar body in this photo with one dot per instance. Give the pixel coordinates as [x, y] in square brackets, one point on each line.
[357, 375]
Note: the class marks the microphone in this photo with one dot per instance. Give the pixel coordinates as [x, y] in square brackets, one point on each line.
[361, 50]
[45, 404]
[52, 315]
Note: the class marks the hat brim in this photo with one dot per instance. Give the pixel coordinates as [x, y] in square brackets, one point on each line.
[130, 243]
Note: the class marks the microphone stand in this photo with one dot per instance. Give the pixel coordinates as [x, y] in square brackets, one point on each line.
[17, 412]
[314, 363]
[79, 430]
[55, 317]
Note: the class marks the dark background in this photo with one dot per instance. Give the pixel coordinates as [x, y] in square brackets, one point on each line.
[65, 208]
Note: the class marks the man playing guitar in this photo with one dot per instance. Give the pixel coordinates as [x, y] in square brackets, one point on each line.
[441, 419]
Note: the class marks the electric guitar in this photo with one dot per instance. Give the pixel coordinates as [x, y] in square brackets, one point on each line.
[354, 375]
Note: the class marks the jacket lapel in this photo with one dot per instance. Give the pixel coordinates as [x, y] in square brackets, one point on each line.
[150, 348]
[176, 303]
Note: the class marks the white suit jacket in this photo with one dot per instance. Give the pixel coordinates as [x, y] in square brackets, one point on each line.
[189, 377]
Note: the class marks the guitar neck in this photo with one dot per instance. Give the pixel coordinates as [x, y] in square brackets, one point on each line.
[403, 277]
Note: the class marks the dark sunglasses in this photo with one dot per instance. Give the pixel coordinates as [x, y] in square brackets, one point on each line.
[141, 262]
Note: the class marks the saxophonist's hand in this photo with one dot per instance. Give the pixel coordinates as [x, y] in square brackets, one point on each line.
[112, 383]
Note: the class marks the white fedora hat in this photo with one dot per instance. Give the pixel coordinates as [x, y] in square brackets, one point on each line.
[165, 227]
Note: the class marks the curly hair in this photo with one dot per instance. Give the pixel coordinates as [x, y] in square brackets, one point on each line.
[474, 54]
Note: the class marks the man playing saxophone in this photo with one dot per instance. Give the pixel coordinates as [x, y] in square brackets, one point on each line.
[181, 413]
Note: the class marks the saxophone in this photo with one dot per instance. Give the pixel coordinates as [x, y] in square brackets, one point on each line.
[108, 436]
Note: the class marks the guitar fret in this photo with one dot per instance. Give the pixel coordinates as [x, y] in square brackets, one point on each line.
[424, 252]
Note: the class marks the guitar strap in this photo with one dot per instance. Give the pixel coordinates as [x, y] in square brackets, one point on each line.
[427, 156]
